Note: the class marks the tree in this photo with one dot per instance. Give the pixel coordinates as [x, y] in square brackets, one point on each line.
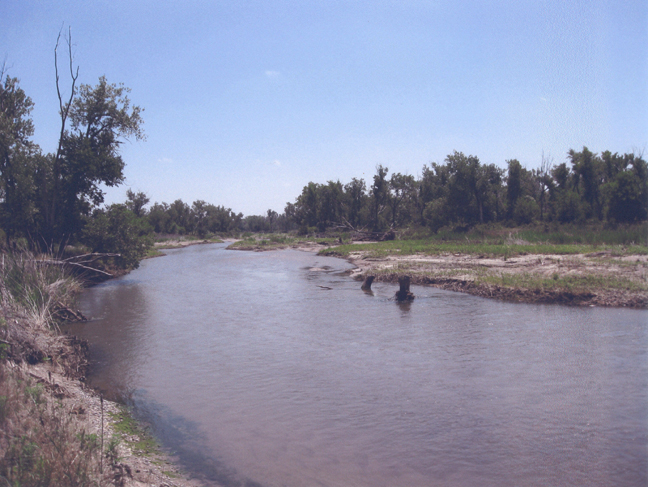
[588, 170]
[100, 119]
[116, 229]
[629, 192]
[379, 196]
[136, 202]
[356, 201]
[465, 194]
[513, 186]
[543, 177]
[16, 156]
[402, 190]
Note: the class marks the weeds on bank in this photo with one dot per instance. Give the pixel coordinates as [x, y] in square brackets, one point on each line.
[265, 241]
[179, 241]
[558, 282]
[41, 443]
[127, 429]
[32, 298]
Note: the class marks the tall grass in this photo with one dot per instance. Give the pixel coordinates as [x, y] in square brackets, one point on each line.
[25, 282]
[41, 442]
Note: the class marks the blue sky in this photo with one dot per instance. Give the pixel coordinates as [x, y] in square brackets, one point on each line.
[247, 101]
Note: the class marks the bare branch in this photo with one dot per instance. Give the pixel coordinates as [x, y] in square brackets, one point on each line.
[95, 255]
[61, 263]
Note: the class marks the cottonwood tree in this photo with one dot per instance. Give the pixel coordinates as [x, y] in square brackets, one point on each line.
[95, 121]
[16, 157]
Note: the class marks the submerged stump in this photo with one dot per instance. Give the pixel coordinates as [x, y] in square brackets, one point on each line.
[404, 294]
[366, 285]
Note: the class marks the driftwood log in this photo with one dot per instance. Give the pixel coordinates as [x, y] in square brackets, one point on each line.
[404, 294]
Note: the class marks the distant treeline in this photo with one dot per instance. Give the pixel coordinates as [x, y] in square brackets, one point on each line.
[461, 192]
[464, 192]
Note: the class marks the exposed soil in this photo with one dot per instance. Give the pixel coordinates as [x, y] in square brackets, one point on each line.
[470, 273]
[133, 470]
[467, 273]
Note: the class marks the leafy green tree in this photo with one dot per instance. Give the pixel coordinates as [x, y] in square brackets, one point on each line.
[159, 218]
[544, 182]
[433, 188]
[181, 220]
[513, 186]
[629, 193]
[356, 202]
[306, 208]
[402, 198]
[17, 152]
[101, 118]
[116, 229]
[379, 197]
[136, 202]
[465, 199]
[588, 171]
[255, 223]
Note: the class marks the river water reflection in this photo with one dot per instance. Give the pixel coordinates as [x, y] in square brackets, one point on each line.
[275, 369]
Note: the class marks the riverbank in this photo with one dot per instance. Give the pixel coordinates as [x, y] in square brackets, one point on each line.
[511, 269]
[592, 279]
[54, 430]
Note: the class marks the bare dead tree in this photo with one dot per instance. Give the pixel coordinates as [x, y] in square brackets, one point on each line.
[64, 111]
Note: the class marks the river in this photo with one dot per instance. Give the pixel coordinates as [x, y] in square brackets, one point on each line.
[274, 369]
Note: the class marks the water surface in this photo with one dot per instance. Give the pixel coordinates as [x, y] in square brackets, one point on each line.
[275, 369]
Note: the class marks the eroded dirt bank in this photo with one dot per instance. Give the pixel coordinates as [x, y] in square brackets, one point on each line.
[139, 463]
[596, 279]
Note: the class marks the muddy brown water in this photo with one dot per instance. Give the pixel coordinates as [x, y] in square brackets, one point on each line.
[275, 369]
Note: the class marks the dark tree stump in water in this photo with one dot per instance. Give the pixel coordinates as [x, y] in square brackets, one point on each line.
[404, 293]
[366, 285]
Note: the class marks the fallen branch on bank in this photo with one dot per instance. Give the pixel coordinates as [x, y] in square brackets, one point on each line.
[80, 261]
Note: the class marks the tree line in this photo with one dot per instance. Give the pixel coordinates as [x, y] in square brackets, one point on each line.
[463, 192]
[50, 200]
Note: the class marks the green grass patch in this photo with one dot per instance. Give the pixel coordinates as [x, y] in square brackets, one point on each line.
[171, 474]
[154, 252]
[557, 282]
[266, 241]
[435, 247]
[133, 433]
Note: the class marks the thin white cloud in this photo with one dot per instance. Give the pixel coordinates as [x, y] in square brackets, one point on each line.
[272, 74]
[165, 160]
[277, 162]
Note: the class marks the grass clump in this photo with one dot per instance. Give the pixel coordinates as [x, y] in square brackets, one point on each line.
[557, 282]
[130, 431]
[41, 444]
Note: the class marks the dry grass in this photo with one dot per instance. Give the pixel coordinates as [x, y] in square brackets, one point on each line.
[32, 299]
[42, 443]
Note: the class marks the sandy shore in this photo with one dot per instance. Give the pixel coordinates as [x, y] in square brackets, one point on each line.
[594, 279]
[614, 280]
